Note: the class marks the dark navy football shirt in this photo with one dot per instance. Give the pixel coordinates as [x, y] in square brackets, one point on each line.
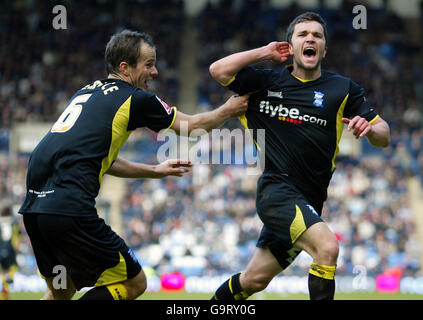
[66, 168]
[302, 121]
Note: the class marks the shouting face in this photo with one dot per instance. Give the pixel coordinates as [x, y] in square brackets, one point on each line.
[308, 45]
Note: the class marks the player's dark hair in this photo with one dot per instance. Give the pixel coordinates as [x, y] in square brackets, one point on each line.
[307, 16]
[125, 46]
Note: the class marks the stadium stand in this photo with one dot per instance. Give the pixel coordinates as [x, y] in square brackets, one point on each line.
[206, 223]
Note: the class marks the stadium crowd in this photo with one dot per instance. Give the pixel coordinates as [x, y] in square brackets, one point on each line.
[206, 223]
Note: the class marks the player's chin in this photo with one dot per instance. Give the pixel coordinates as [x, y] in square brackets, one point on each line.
[143, 85]
[311, 63]
[310, 66]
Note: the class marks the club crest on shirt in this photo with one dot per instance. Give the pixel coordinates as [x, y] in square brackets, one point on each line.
[318, 99]
[165, 105]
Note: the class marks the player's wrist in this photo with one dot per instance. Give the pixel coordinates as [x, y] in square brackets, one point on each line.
[223, 113]
[156, 171]
[372, 134]
[265, 53]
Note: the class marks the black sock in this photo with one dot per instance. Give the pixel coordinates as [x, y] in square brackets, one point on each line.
[321, 282]
[98, 293]
[231, 290]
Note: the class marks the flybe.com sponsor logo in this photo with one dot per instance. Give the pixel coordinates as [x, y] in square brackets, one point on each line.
[291, 115]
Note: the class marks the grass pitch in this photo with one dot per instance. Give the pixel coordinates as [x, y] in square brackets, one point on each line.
[259, 296]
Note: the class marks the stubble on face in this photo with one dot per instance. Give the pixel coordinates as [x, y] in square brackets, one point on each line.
[308, 46]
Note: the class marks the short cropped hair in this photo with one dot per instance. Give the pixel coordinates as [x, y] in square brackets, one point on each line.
[125, 46]
[307, 16]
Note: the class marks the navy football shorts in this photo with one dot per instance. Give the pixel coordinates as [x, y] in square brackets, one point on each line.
[286, 214]
[92, 253]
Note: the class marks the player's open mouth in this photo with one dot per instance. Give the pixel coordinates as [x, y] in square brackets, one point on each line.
[309, 52]
[310, 55]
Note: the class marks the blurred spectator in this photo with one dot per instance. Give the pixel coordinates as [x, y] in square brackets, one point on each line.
[41, 68]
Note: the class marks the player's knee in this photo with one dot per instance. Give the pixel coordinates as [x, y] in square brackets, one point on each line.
[136, 286]
[65, 293]
[254, 282]
[61, 294]
[328, 252]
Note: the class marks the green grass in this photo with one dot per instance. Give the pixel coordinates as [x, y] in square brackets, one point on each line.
[259, 296]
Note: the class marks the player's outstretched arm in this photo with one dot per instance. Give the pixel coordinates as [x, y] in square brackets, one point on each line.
[233, 107]
[127, 169]
[225, 69]
[377, 133]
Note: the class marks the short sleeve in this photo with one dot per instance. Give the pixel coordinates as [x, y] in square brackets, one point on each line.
[357, 104]
[148, 110]
[249, 80]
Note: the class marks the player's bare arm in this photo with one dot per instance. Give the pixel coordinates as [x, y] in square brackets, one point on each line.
[377, 132]
[233, 107]
[225, 69]
[127, 169]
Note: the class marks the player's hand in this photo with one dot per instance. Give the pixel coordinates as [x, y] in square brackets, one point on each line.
[278, 51]
[359, 125]
[237, 105]
[172, 167]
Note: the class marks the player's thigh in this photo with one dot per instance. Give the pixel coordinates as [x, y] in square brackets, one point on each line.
[261, 268]
[105, 253]
[136, 285]
[89, 250]
[44, 255]
[285, 212]
[62, 289]
[320, 242]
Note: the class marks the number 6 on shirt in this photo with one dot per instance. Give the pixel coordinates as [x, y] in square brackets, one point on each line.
[68, 118]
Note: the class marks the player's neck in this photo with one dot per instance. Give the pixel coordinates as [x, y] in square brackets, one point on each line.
[116, 76]
[306, 75]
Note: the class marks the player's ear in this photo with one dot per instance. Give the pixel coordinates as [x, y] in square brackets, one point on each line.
[124, 68]
[324, 52]
[291, 50]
